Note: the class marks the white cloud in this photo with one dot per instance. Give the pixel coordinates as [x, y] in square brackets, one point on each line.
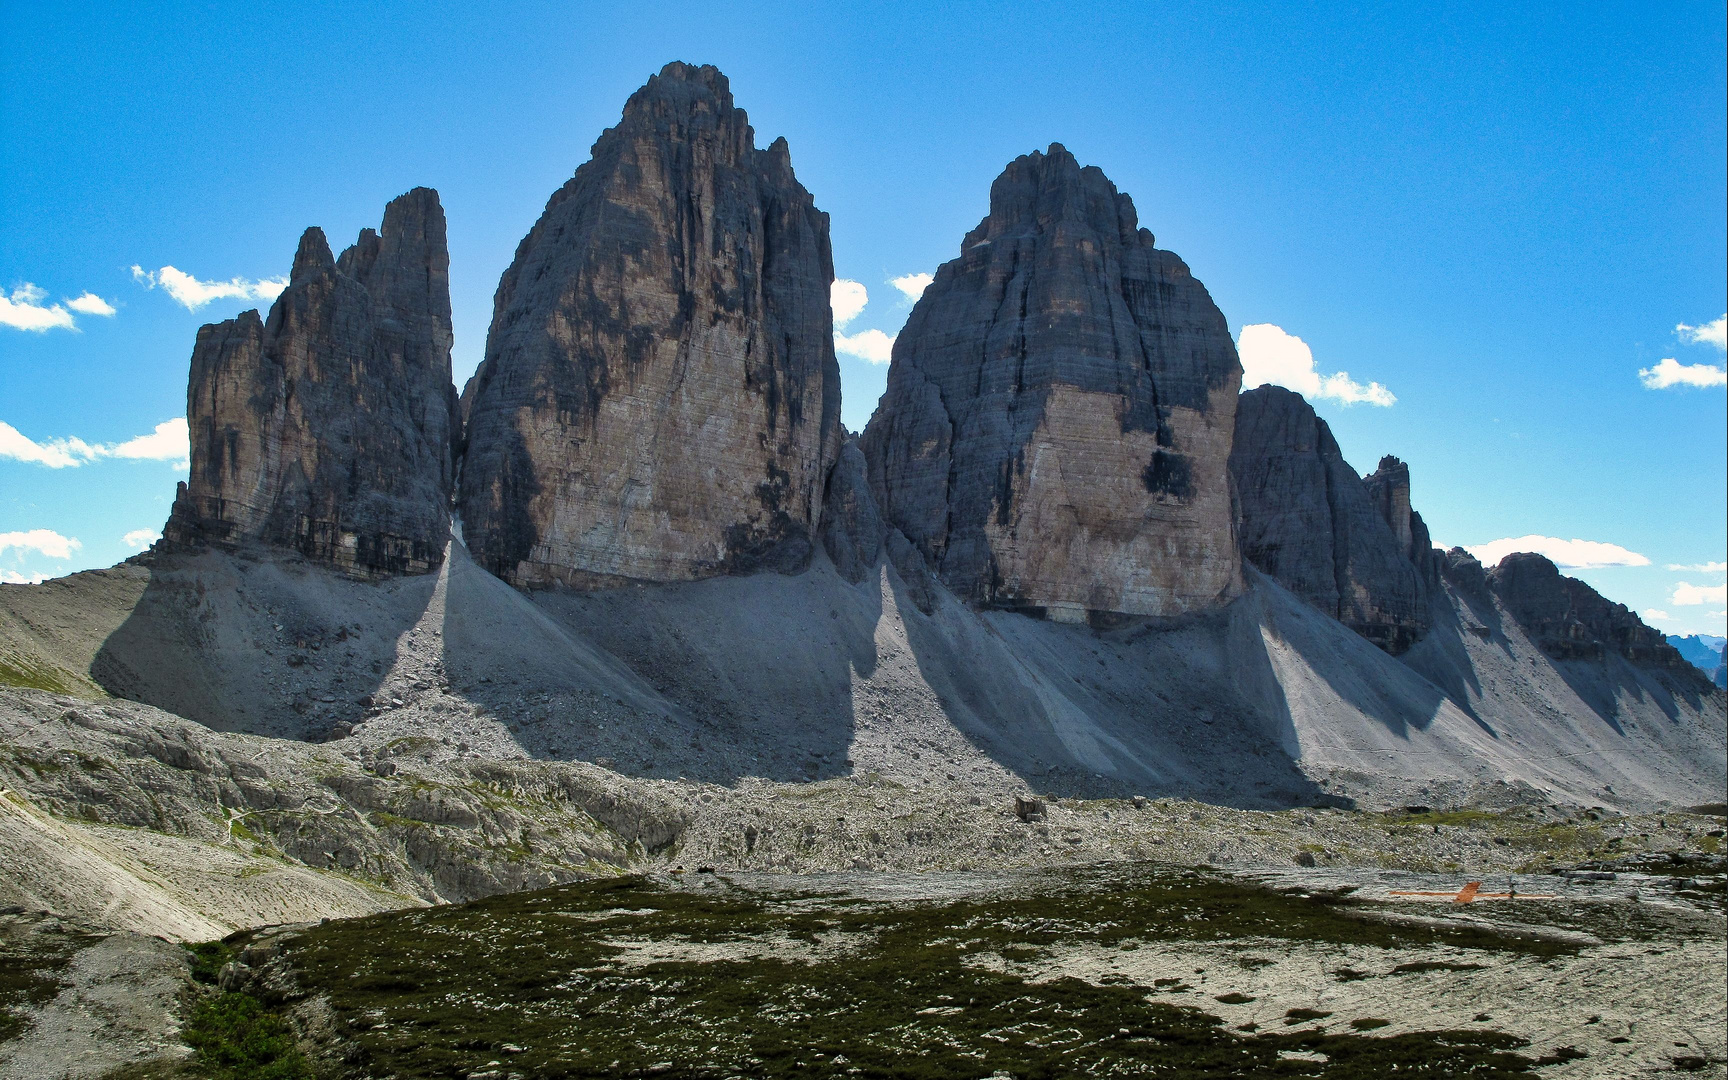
[1656, 615]
[13, 577]
[43, 541]
[194, 294]
[1571, 554]
[91, 304]
[847, 298]
[1714, 332]
[869, 345]
[1270, 355]
[913, 285]
[169, 442]
[1668, 374]
[140, 538]
[1701, 568]
[23, 310]
[1689, 595]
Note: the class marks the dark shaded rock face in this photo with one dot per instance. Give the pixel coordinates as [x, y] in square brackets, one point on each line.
[1569, 620]
[1057, 423]
[852, 529]
[659, 399]
[329, 428]
[1351, 547]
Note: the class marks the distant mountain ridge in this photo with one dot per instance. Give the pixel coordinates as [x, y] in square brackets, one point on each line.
[1704, 652]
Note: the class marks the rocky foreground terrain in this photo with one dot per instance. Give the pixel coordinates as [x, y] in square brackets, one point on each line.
[626, 716]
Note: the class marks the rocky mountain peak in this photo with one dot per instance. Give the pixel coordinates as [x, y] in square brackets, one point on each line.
[328, 428]
[659, 399]
[1038, 191]
[1569, 620]
[1057, 422]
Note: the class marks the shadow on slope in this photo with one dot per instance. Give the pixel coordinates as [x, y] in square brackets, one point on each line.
[266, 644]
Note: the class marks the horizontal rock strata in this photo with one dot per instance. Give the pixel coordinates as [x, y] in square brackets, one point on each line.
[659, 399]
[1351, 547]
[1057, 423]
[328, 428]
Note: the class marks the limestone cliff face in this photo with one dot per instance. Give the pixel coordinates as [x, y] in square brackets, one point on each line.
[659, 399]
[1349, 546]
[328, 428]
[1057, 423]
[1569, 620]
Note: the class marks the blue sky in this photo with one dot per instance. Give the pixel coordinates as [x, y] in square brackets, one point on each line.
[1499, 218]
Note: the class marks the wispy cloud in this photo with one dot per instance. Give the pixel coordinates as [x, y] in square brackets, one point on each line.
[170, 441]
[140, 538]
[1571, 554]
[1669, 373]
[1688, 595]
[42, 541]
[194, 294]
[1656, 615]
[1714, 332]
[848, 299]
[1702, 567]
[1272, 355]
[23, 310]
[14, 577]
[913, 285]
[91, 304]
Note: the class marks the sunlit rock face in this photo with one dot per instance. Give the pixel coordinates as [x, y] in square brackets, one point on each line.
[1350, 546]
[659, 399]
[1057, 424]
[328, 428]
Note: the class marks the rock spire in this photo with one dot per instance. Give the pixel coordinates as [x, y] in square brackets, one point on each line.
[328, 428]
[1057, 424]
[659, 399]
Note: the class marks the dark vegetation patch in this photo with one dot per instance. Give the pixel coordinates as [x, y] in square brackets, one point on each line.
[237, 1038]
[1423, 966]
[1369, 1023]
[542, 982]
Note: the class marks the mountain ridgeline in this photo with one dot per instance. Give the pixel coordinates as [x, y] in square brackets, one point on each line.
[1063, 433]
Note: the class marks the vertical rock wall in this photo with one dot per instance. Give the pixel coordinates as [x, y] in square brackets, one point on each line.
[1057, 423]
[1352, 548]
[329, 427]
[659, 399]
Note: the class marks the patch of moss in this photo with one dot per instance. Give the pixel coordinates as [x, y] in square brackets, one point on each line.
[32, 674]
[1369, 1023]
[550, 974]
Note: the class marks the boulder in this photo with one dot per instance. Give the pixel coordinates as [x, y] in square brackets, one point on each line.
[329, 428]
[1343, 544]
[1057, 423]
[659, 400]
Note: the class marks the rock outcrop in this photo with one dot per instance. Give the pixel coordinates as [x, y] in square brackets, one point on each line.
[1569, 620]
[659, 399]
[1351, 547]
[329, 427]
[1057, 423]
[852, 528]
